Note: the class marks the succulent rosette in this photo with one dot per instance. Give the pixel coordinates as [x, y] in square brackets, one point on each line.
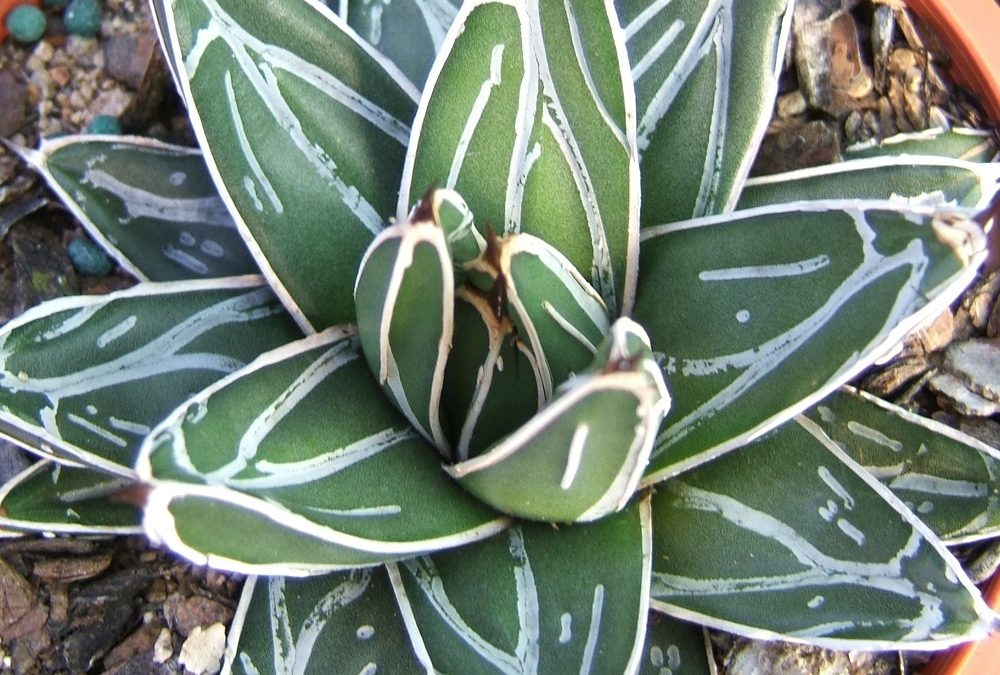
[470, 314]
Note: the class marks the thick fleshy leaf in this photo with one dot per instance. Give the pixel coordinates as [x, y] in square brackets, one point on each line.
[970, 145]
[465, 243]
[765, 312]
[552, 306]
[581, 457]
[407, 32]
[493, 380]
[344, 623]
[924, 181]
[159, 17]
[951, 480]
[675, 647]
[85, 378]
[529, 115]
[304, 127]
[152, 206]
[805, 545]
[706, 73]
[49, 497]
[303, 449]
[533, 600]
[405, 297]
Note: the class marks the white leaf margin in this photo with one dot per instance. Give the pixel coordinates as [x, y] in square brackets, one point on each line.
[115, 482]
[968, 242]
[38, 440]
[159, 525]
[989, 619]
[175, 54]
[631, 667]
[38, 159]
[987, 174]
[934, 427]
[520, 155]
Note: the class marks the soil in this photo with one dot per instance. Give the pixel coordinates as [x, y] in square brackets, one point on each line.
[118, 606]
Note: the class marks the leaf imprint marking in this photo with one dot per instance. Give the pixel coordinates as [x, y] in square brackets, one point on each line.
[339, 355]
[96, 430]
[639, 22]
[185, 260]
[580, 50]
[766, 357]
[108, 336]
[438, 15]
[698, 47]
[596, 610]
[527, 652]
[249, 154]
[936, 485]
[129, 426]
[476, 114]
[565, 324]
[656, 51]
[576, 447]
[874, 436]
[837, 488]
[851, 531]
[364, 512]
[141, 203]
[565, 628]
[767, 271]
[828, 512]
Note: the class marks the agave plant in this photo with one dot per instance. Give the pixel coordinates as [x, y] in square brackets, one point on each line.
[494, 405]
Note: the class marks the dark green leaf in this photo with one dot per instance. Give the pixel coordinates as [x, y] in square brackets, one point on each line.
[533, 600]
[343, 623]
[303, 449]
[951, 480]
[789, 538]
[529, 115]
[84, 379]
[304, 129]
[766, 311]
[49, 497]
[152, 206]
[706, 73]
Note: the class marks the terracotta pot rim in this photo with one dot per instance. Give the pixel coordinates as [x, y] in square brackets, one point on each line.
[968, 28]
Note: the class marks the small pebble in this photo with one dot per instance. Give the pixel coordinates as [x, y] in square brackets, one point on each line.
[83, 18]
[26, 23]
[202, 652]
[104, 124]
[88, 258]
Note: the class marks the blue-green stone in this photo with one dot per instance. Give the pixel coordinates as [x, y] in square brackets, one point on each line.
[26, 23]
[88, 258]
[104, 124]
[83, 18]
[54, 4]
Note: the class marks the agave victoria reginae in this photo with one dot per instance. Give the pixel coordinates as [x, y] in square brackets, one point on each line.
[407, 328]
